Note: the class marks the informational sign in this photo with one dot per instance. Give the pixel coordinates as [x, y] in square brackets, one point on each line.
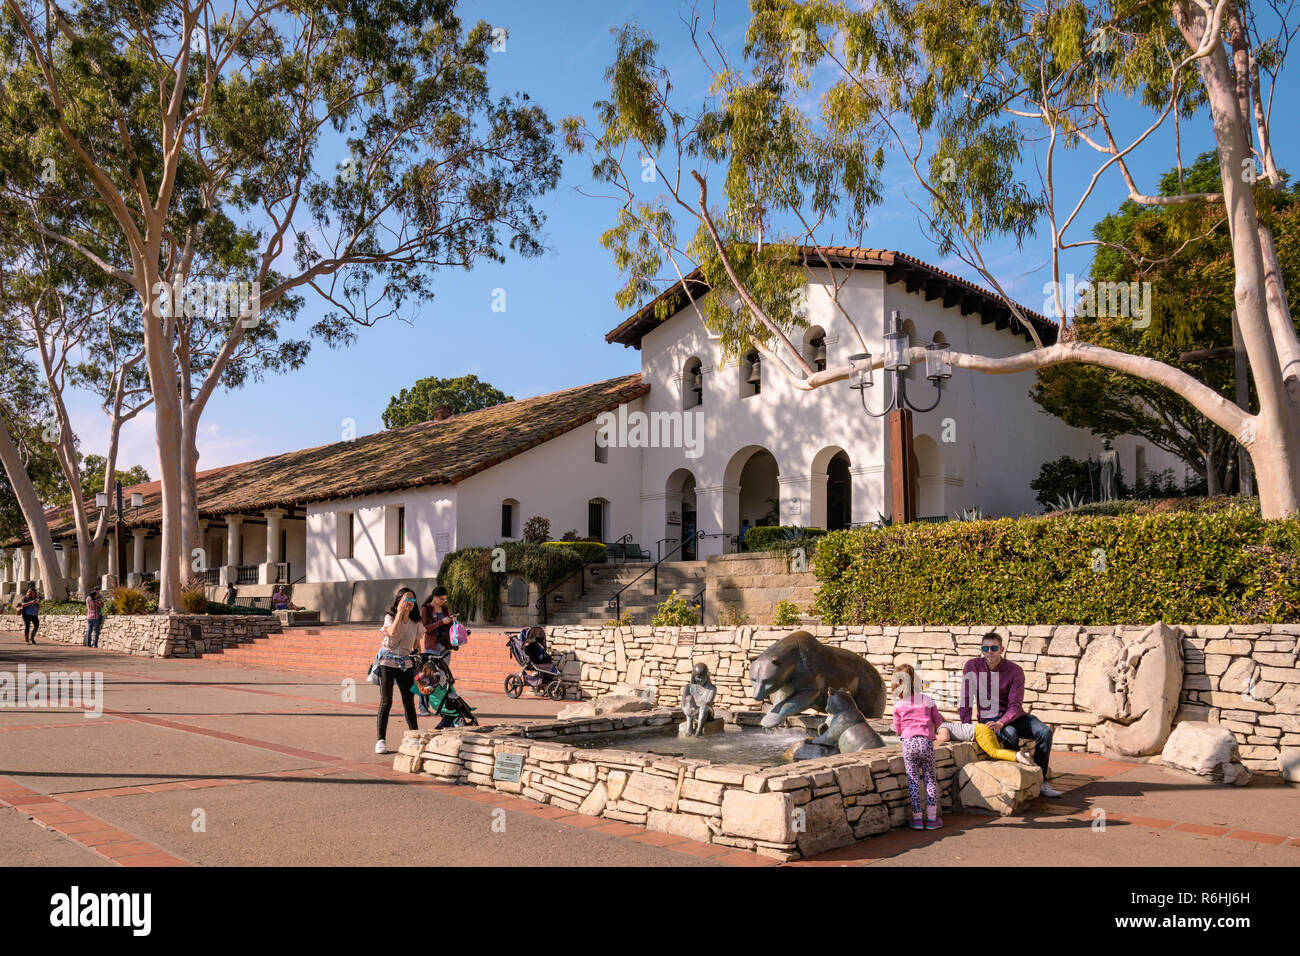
[508, 767]
[674, 517]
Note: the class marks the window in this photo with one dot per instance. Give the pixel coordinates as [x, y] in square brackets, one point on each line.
[751, 375]
[814, 347]
[345, 536]
[602, 451]
[395, 529]
[596, 511]
[692, 384]
[509, 517]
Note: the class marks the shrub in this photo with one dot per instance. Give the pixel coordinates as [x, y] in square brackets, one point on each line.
[787, 614]
[624, 621]
[774, 537]
[194, 599]
[537, 529]
[588, 550]
[675, 612]
[131, 601]
[570, 535]
[1068, 476]
[1226, 566]
[473, 586]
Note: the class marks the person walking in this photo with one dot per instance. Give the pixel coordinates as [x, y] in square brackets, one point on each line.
[437, 620]
[30, 609]
[401, 630]
[94, 617]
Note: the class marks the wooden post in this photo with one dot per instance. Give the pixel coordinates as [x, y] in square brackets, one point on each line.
[901, 479]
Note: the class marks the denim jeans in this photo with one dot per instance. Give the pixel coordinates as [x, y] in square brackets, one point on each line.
[93, 626]
[1029, 726]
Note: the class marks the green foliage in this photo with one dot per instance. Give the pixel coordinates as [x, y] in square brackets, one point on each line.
[1071, 478]
[537, 529]
[570, 535]
[473, 587]
[1139, 506]
[132, 601]
[194, 600]
[624, 621]
[787, 614]
[420, 402]
[1218, 567]
[675, 612]
[92, 475]
[589, 550]
[780, 537]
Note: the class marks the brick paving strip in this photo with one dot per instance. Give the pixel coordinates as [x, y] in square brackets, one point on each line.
[862, 852]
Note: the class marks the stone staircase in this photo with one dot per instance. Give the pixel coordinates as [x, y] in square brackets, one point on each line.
[346, 650]
[639, 600]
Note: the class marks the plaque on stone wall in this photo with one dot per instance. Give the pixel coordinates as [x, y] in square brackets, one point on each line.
[508, 767]
[674, 517]
[517, 592]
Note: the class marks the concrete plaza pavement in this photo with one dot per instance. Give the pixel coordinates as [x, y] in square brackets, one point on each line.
[202, 764]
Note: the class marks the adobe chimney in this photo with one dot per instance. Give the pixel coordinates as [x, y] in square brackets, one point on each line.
[442, 413]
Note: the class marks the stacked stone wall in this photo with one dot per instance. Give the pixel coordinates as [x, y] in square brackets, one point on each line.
[785, 812]
[154, 635]
[1244, 677]
[753, 584]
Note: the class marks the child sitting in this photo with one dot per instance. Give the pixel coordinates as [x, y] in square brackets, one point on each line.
[429, 685]
[915, 720]
[985, 738]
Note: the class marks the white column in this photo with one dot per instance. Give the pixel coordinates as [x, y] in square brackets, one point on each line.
[717, 509]
[795, 506]
[266, 573]
[20, 565]
[137, 558]
[230, 573]
[64, 553]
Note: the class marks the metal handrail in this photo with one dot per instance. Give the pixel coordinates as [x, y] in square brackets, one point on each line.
[616, 602]
[698, 601]
[582, 585]
[659, 545]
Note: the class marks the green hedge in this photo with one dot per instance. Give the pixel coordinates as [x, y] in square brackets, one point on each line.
[589, 550]
[1225, 567]
[774, 537]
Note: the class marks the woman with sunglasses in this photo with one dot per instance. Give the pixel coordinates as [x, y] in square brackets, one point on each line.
[401, 630]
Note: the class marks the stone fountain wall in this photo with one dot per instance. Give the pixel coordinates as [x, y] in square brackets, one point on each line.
[1242, 677]
[785, 812]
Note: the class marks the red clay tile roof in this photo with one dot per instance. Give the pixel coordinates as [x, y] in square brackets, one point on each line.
[919, 276]
[430, 453]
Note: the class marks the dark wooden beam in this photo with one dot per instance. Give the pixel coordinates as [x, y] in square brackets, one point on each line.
[969, 303]
[1003, 318]
[934, 288]
[952, 295]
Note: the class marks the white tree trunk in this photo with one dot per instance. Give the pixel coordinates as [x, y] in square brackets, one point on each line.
[34, 515]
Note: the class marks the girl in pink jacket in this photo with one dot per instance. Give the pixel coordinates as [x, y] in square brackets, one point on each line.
[915, 720]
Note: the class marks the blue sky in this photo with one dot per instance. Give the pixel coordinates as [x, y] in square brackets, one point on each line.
[559, 306]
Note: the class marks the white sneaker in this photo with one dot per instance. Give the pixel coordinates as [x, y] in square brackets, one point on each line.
[1046, 791]
[381, 747]
[1024, 759]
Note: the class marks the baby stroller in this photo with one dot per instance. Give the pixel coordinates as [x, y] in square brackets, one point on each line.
[536, 668]
[442, 698]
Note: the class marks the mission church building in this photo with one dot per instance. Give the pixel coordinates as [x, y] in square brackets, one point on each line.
[747, 449]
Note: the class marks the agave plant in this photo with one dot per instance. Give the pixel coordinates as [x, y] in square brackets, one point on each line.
[1069, 501]
[882, 521]
[969, 514]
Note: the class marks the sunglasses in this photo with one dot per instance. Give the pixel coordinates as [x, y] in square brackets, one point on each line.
[990, 647]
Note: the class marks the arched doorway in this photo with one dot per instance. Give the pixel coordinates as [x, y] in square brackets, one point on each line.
[679, 514]
[756, 501]
[832, 499]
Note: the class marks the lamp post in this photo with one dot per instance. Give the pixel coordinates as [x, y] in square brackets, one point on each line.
[899, 408]
[119, 550]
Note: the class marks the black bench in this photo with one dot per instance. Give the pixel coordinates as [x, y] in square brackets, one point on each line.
[626, 551]
[260, 602]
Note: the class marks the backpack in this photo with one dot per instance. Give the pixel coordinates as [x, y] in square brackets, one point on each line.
[459, 634]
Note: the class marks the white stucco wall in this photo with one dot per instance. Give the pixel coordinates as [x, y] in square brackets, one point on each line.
[555, 480]
[997, 438]
[430, 512]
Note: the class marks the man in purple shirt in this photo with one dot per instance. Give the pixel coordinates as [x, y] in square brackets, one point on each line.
[998, 688]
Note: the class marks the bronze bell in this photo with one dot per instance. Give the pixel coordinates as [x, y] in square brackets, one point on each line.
[755, 373]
